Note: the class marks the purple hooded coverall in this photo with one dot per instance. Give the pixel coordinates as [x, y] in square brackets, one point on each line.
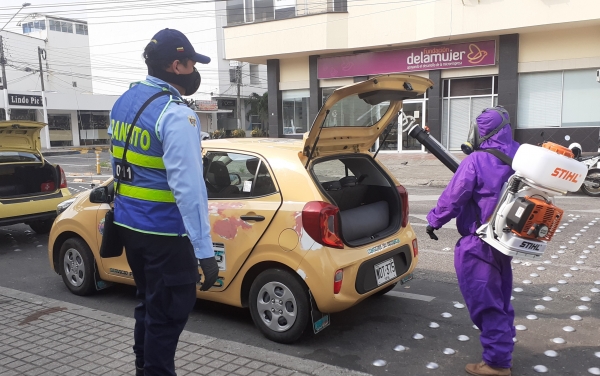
[484, 274]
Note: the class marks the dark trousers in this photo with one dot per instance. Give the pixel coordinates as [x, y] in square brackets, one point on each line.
[165, 271]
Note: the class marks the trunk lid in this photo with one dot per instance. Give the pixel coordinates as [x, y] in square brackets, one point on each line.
[20, 135]
[354, 116]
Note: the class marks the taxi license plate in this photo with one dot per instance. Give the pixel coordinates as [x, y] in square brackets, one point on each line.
[385, 271]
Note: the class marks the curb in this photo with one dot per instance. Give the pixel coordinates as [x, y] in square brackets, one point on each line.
[59, 152]
[238, 349]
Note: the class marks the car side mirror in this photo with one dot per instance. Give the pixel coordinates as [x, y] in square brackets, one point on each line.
[100, 195]
[235, 179]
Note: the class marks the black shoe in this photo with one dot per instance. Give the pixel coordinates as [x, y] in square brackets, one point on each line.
[139, 371]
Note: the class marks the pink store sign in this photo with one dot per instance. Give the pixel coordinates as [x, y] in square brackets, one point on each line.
[449, 56]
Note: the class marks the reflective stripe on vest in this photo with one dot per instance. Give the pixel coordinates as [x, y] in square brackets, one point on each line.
[146, 194]
[138, 159]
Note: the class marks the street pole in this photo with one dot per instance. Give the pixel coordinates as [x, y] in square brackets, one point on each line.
[46, 128]
[4, 83]
[238, 79]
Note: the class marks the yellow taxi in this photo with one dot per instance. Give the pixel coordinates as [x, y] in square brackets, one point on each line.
[300, 228]
[30, 187]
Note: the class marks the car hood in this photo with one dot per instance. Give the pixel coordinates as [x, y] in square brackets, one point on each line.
[20, 135]
[354, 116]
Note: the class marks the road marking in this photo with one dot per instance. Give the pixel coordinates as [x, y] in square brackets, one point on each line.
[415, 198]
[408, 295]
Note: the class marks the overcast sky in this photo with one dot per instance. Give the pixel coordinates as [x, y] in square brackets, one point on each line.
[119, 31]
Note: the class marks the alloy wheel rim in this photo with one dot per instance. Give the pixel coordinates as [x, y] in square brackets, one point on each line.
[74, 267]
[277, 306]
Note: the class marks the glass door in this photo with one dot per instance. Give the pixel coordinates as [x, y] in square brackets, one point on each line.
[412, 113]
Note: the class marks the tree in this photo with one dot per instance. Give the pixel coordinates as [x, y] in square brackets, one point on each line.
[259, 106]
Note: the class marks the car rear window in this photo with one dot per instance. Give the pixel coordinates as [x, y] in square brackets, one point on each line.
[353, 111]
[18, 156]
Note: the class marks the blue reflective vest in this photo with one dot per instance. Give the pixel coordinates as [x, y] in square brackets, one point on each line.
[145, 202]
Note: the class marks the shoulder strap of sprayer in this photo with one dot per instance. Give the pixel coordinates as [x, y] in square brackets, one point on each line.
[500, 155]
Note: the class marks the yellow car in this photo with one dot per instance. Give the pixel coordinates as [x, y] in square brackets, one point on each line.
[30, 187]
[300, 228]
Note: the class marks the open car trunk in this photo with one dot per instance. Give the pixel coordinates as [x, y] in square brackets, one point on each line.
[29, 179]
[369, 203]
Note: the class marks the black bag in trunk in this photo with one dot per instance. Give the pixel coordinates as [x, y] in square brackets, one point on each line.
[112, 244]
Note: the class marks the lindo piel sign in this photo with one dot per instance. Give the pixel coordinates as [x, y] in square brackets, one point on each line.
[462, 55]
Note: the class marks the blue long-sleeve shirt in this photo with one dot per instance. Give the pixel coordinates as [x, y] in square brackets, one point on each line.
[179, 131]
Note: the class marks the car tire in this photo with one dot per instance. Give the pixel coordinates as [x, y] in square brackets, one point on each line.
[385, 290]
[41, 227]
[77, 266]
[278, 290]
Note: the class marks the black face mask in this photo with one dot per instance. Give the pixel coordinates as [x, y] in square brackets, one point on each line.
[190, 82]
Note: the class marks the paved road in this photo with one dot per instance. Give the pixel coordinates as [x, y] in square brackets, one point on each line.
[371, 330]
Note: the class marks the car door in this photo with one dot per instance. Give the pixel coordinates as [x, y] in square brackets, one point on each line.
[242, 198]
[115, 266]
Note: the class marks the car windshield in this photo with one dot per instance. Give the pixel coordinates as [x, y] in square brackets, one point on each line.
[353, 111]
[18, 156]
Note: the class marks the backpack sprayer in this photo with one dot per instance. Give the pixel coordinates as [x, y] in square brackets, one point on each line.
[525, 218]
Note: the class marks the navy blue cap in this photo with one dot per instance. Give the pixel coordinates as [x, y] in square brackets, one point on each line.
[172, 44]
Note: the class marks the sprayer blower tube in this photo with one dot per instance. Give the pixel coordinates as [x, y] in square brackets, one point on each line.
[431, 144]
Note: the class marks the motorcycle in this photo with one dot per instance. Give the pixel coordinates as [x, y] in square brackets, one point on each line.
[591, 184]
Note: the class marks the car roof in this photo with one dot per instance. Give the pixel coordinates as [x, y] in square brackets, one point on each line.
[265, 146]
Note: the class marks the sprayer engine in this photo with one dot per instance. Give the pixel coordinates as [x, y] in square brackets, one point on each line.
[526, 217]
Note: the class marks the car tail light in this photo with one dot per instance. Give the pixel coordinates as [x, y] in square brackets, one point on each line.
[415, 247]
[320, 221]
[337, 281]
[63, 178]
[403, 204]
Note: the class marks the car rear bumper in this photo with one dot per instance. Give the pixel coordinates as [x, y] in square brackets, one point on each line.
[359, 275]
[31, 208]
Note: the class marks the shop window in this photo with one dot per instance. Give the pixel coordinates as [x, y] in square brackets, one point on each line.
[581, 99]
[468, 87]
[59, 128]
[93, 127]
[22, 114]
[295, 111]
[540, 99]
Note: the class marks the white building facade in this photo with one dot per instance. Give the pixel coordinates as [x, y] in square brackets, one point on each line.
[76, 117]
[539, 59]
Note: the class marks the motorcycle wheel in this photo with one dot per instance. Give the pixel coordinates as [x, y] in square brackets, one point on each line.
[591, 185]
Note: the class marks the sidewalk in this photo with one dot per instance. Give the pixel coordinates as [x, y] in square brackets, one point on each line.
[69, 150]
[418, 169]
[41, 336]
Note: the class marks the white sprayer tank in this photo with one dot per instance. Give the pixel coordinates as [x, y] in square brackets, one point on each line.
[549, 169]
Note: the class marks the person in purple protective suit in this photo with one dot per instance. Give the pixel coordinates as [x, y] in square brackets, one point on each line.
[484, 274]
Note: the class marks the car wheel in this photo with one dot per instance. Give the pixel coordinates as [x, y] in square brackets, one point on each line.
[279, 305]
[77, 266]
[41, 227]
[385, 290]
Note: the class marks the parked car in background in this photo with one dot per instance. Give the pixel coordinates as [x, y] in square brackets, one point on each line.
[300, 228]
[30, 187]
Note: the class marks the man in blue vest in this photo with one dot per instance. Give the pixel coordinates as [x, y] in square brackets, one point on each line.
[161, 205]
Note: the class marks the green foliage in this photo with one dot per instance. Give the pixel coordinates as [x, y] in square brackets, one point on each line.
[259, 105]
[238, 133]
[258, 132]
[218, 134]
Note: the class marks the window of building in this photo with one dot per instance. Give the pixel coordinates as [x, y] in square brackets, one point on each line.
[254, 75]
[264, 10]
[232, 75]
[559, 99]
[32, 26]
[295, 111]
[59, 128]
[62, 26]
[235, 12]
[18, 114]
[81, 29]
[236, 176]
[93, 127]
[463, 100]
